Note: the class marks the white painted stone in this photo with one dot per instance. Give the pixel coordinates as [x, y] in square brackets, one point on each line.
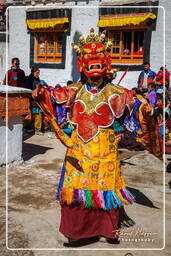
[14, 138]
[11, 132]
[13, 89]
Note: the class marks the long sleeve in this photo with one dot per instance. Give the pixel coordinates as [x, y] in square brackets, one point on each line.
[64, 138]
[45, 104]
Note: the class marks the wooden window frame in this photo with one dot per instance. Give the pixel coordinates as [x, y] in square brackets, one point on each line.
[47, 57]
[131, 58]
[47, 64]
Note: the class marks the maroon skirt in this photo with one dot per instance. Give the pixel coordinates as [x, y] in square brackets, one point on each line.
[79, 222]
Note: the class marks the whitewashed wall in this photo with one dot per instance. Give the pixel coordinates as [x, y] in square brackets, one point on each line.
[157, 43]
[19, 39]
[2, 60]
[167, 10]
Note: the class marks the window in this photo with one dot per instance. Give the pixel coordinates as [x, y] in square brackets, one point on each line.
[127, 46]
[48, 47]
[48, 30]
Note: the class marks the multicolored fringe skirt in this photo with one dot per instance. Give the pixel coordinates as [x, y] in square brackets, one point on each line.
[97, 199]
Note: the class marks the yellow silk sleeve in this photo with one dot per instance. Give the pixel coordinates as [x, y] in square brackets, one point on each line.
[62, 136]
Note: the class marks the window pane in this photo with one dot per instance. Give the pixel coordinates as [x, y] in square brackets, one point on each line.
[116, 50]
[127, 36]
[51, 50]
[42, 44]
[50, 41]
[50, 44]
[138, 42]
[116, 43]
[49, 47]
[59, 47]
[42, 50]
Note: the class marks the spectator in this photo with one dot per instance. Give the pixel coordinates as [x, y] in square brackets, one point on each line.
[159, 102]
[162, 77]
[159, 92]
[32, 82]
[146, 76]
[152, 97]
[15, 76]
[158, 117]
[168, 97]
[145, 93]
[69, 82]
[126, 52]
[140, 51]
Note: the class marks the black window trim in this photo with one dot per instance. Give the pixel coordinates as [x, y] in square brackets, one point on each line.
[151, 27]
[45, 64]
[43, 14]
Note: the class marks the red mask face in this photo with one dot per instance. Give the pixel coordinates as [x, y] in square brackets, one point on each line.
[94, 62]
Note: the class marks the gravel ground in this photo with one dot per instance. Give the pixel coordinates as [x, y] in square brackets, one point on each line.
[34, 214]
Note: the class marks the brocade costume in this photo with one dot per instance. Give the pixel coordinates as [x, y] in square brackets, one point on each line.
[92, 187]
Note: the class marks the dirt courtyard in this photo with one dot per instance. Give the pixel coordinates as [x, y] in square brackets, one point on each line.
[34, 214]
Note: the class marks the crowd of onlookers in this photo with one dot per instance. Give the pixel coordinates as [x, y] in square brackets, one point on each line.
[16, 77]
[151, 89]
[154, 89]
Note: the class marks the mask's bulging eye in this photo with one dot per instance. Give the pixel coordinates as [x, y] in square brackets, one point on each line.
[100, 54]
[87, 55]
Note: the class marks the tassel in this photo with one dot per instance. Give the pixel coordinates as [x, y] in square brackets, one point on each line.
[98, 199]
[112, 202]
[101, 199]
[76, 195]
[82, 197]
[127, 195]
[95, 199]
[130, 194]
[118, 193]
[88, 196]
[117, 200]
[69, 196]
[108, 202]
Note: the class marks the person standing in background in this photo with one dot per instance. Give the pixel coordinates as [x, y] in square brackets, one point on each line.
[146, 76]
[32, 82]
[15, 76]
[151, 96]
[163, 78]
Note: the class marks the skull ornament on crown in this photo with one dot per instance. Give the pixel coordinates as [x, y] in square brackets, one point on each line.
[94, 59]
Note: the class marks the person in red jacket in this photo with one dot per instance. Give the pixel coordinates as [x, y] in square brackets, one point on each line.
[162, 77]
[15, 76]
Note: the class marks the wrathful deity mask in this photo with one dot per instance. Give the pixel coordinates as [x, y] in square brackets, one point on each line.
[94, 59]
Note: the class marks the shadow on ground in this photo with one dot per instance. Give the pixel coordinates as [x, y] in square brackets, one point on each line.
[31, 150]
[142, 199]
